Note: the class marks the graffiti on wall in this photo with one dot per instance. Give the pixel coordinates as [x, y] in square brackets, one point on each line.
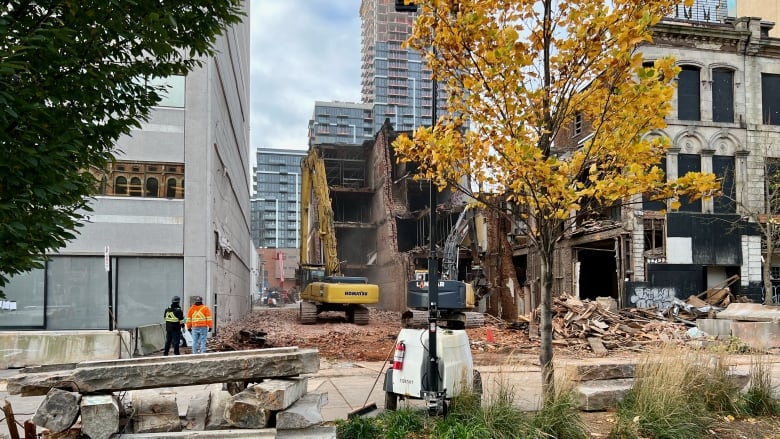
[652, 297]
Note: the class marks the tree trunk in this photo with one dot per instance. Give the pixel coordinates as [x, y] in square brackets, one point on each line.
[767, 265]
[546, 350]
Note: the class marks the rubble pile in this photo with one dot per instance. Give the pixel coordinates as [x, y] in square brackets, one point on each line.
[587, 323]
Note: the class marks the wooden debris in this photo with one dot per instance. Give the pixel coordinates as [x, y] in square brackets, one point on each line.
[9, 418]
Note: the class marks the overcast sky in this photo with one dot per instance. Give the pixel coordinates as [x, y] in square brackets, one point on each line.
[302, 51]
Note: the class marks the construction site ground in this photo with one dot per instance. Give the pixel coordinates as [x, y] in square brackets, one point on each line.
[353, 359]
[500, 349]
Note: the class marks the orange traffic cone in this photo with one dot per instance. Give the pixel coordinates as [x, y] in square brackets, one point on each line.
[489, 336]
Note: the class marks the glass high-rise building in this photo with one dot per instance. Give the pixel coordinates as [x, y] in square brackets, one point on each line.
[275, 207]
[335, 122]
[395, 80]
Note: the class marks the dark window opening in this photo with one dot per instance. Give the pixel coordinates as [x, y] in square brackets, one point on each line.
[170, 191]
[577, 123]
[723, 95]
[723, 167]
[120, 186]
[772, 184]
[136, 188]
[689, 94]
[103, 185]
[152, 187]
[770, 99]
[688, 163]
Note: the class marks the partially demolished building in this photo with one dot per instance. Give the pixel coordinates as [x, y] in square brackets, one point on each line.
[727, 121]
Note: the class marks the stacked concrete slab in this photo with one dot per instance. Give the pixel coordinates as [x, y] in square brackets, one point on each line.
[277, 400]
[598, 384]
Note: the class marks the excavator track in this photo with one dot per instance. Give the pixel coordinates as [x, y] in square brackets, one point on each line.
[307, 313]
[359, 314]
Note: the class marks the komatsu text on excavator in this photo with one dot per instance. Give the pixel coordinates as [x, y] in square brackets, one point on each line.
[323, 287]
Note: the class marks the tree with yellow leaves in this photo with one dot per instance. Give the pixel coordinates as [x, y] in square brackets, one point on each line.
[518, 72]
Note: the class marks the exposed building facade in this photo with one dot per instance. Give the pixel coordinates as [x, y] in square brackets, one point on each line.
[725, 121]
[157, 237]
[767, 10]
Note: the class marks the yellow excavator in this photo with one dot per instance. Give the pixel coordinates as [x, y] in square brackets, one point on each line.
[323, 286]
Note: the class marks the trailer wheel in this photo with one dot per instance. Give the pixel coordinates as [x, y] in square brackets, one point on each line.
[391, 401]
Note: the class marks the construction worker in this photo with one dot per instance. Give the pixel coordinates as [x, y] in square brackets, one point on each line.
[199, 323]
[174, 325]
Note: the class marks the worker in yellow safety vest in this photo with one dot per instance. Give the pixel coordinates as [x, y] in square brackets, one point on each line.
[174, 325]
[199, 323]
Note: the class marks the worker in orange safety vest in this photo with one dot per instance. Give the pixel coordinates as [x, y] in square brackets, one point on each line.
[199, 323]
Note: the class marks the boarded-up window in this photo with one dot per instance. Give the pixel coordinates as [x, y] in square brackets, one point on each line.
[688, 163]
[770, 98]
[723, 167]
[689, 94]
[722, 95]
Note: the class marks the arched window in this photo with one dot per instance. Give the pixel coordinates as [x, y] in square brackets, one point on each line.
[181, 194]
[135, 187]
[170, 191]
[722, 95]
[103, 185]
[152, 187]
[120, 186]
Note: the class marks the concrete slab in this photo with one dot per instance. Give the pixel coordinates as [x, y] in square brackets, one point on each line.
[34, 348]
[750, 312]
[151, 339]
[758, 335]
[715, 327]
[322, 432]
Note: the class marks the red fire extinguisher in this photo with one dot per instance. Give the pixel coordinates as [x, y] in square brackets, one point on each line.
[398, 358]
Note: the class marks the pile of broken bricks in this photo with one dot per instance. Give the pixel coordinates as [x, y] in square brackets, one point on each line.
[134, 398]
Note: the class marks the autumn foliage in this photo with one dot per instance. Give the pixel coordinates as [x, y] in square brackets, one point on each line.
[516, 74]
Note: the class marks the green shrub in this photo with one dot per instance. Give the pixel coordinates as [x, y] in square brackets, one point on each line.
[399, 424]
[759, 399]
[666, 400]
[559, 415]
[358, 428]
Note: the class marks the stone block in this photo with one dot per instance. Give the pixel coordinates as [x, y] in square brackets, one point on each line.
[715, 327]
[758, 335]
[154, 412]
[304, 413]
[172, 371]
[198, 408]
[246, 410]
[215, 420]
[587, 370]
[278, 394]
[99, 416]
[58, 411]
[602, 395]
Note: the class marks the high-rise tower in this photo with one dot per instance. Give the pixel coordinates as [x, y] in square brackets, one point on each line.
[394, 79]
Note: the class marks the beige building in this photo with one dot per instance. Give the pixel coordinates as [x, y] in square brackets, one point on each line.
[768, 10]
